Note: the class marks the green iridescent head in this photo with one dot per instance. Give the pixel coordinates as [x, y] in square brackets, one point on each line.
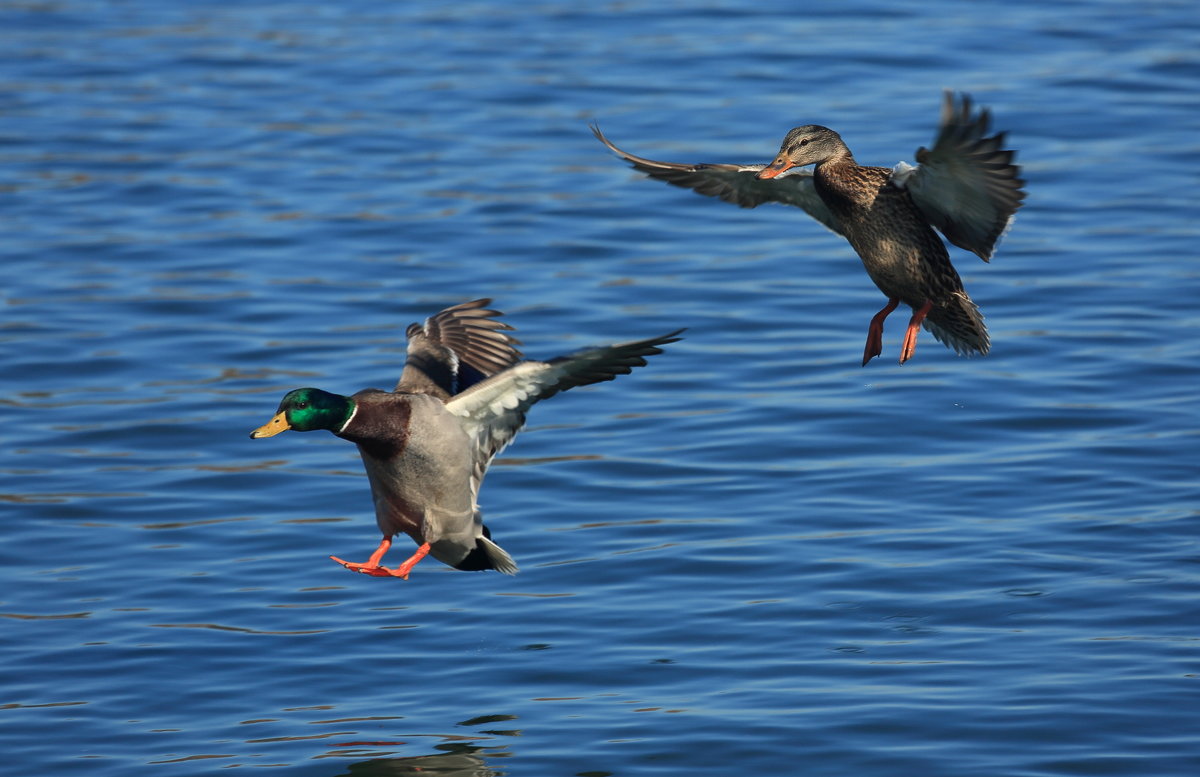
[308, 409]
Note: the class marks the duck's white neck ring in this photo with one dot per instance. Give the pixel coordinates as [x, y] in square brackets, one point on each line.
[353, 413]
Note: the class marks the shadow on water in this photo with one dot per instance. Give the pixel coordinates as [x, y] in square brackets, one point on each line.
[454, 759]
[461, 756]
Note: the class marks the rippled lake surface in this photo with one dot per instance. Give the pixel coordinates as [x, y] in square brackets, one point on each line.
[752, 556]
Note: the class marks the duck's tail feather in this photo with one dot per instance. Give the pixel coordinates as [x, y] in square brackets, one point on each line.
[487, 555]
[958, 324]
[501, 561]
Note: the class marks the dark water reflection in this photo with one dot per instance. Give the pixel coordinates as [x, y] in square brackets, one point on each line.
[453, 760]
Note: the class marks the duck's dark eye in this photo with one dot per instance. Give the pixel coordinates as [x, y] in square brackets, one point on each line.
[804, 142]
[302, 406]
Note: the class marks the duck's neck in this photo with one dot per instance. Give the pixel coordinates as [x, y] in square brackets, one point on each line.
[837, 180]
[353, 411]
[839, 158]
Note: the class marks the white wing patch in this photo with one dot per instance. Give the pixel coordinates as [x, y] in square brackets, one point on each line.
[493, 411]
[901, 173]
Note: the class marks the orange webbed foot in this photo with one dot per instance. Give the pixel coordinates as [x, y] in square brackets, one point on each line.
[373, 568]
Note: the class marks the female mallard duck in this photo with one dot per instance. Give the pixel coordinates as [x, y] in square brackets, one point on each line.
[966, 186]
[427, 444]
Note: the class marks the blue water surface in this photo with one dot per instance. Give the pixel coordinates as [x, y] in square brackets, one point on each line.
[752, 556]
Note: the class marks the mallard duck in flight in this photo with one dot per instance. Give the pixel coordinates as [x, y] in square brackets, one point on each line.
[427, 444]
[966, 186]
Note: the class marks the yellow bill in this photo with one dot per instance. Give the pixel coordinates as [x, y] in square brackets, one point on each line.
[273, 427]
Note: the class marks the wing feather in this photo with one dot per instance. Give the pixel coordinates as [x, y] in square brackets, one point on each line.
[457, 348]
[737, 184]
[493, 410]
[966, 185]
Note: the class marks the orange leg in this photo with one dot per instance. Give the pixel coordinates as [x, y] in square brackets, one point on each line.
[372, 567]
[914, 327]
[875, 331]
[403, 570]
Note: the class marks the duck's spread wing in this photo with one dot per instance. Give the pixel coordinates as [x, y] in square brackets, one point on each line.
[966, 185]
[457, 348]
[493, 411]
[738, 184]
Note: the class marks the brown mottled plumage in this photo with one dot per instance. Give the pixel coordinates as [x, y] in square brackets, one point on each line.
[966, 186]
[899, 250]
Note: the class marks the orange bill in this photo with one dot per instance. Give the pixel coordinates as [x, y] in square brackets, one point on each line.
[775, 168]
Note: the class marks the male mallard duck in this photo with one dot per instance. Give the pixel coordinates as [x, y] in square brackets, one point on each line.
[966, 186]
[427, 444]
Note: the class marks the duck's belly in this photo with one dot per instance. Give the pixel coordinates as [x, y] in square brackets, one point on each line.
[891, 237]
[426, 488]
[894, 264]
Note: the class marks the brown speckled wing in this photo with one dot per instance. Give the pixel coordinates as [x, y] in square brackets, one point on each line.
[737, 184]
[456, 348]
[966, 185]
